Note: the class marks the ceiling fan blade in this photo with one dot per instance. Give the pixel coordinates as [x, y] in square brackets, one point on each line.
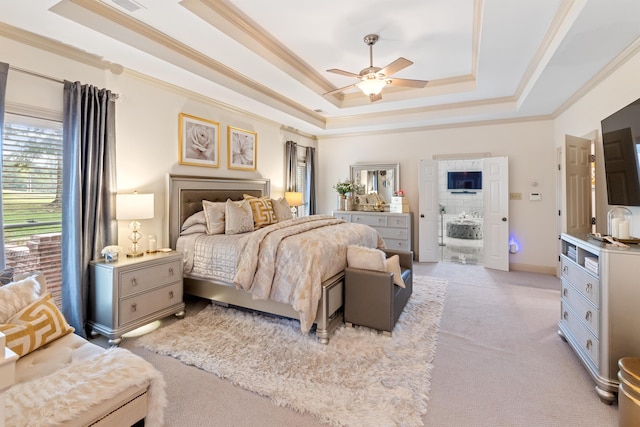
[340, 90]
[344, 73]
[373, 97]
[406, 82]
[395, 66]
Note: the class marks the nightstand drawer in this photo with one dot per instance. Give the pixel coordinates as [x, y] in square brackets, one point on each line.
[139, 306]
[141, 279]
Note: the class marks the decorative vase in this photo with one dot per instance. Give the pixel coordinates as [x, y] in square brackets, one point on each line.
[348, 203]
[342, 202]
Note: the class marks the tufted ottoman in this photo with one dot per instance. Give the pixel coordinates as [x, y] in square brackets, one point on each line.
[464, 230]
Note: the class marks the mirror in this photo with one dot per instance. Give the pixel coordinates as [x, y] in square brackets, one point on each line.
[381, 178]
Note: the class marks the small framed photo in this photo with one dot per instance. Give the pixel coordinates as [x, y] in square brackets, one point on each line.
[199, 141]
[242, 149]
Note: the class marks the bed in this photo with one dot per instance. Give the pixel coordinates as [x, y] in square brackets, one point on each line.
[317, 299]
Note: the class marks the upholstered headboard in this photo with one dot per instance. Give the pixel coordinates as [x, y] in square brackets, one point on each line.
[186, 194]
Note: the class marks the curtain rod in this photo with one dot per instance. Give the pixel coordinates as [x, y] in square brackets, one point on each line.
[43, 76]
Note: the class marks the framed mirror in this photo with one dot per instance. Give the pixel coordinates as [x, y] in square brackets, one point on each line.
[380, 178]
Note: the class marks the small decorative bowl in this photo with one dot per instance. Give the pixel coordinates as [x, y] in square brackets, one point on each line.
[110, 257]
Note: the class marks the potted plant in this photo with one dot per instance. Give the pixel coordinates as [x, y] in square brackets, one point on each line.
[343, 188]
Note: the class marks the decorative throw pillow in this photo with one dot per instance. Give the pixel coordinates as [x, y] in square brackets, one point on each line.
[366, 258]
[393, 266]
[238, 217]
[17, 295]
[195, 219]
[214, 214]
[282, 209]
[6, 276]
[35, 325]
[262, 210]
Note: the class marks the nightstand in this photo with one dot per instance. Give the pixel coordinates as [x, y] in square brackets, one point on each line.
[132, 292]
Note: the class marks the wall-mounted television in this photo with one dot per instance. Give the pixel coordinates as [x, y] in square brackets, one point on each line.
[464, 180]
[621, 150]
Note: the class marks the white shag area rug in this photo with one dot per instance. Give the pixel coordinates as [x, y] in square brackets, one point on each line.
[361, 378]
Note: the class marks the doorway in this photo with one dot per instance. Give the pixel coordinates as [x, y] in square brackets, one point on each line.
[461, 206]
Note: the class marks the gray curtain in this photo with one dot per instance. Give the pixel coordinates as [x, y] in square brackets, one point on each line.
[311, 181]
[4, 70]
[89, 187]
[291, 161]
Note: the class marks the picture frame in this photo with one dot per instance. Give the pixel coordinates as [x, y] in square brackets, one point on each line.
[199, 141]
[242, 149]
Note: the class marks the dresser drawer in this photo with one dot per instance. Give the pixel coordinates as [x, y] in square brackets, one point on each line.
[373, 220]
[401, 245]
[585, 311]
[141, 279]
[392, 233]
[587, 342]
[397, 221]
[584, 282]
[142, 305]
[346, 217]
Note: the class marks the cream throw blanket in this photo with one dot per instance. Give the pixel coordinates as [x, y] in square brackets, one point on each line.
[288, 261]
[73, 389]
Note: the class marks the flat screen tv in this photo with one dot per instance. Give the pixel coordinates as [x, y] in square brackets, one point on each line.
[620, 147]
[466, 180]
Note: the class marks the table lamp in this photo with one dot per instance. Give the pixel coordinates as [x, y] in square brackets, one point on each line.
[134, 207]
[294, 198]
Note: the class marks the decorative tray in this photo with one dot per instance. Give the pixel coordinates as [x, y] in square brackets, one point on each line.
[602, 238]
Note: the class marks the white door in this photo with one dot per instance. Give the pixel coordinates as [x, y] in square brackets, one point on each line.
[428, 211]
[495, 189]
[578, 186]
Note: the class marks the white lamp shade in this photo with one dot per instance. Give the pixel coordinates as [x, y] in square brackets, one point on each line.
[134, 206]
[294, 198]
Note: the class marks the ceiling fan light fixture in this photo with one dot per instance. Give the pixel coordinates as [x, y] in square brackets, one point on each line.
[371, 85]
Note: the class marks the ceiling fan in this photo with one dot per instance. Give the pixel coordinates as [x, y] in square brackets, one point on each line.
[374, 79]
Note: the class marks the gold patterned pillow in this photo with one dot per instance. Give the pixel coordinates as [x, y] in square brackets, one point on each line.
[262, 209]
[35, 325]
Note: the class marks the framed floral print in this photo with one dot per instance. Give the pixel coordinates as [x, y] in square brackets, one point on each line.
[242, 149]
[199, 141]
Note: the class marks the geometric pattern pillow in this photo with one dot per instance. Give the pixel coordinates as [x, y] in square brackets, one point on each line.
[35, 325]
[282, 209]
[262, 209]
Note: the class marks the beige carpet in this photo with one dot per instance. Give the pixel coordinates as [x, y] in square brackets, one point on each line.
[361, 378]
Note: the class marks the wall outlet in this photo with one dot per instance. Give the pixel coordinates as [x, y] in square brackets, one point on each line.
[515, 196]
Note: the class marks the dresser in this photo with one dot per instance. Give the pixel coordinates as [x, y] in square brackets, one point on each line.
[395, 228]
[132, 292]
[600, 307]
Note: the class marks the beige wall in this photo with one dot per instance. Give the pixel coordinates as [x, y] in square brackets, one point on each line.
[531, 152]
[147, 144]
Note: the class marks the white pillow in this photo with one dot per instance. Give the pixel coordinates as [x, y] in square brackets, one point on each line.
[17, 295]
[195, 219]
[282, 209]
[393, 266]
[238, 217]
[214, 214]
[366, 258]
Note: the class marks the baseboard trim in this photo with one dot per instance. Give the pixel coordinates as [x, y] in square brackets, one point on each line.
[533, 268]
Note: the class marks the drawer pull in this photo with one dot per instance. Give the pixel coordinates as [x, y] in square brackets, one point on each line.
[565, 315]
[565, 269]
[588, 288]
[134, 307]
[565, 292]
[379, 219]
[134, 282]
[170, 271]
[170, 294]
[589, 344]
[588, 316]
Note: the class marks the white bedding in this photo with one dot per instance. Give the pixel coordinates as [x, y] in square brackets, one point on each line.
[212, 256]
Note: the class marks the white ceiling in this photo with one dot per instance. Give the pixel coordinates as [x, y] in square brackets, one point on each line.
[484, 59]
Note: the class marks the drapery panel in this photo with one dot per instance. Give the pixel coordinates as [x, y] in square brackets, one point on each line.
[291, 159]
[4, 71]
[89, 187]
[310, 167]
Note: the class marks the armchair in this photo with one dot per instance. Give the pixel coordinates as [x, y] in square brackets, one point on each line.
[371, 298]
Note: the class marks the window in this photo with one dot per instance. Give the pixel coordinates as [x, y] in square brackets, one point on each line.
[301, 180]
[32, 197]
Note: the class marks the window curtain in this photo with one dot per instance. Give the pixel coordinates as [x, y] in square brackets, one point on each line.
[311, 181]
[4, 70]
[291, 159]
[89, 187]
